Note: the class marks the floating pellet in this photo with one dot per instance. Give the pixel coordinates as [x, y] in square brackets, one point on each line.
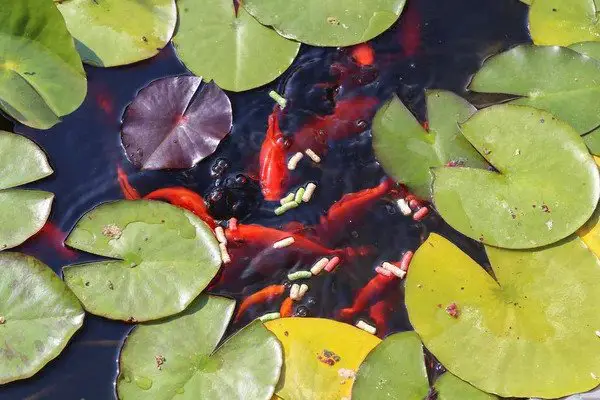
[394, 270]
[220, 233]
[294, 290]
[233, 224]
[2, 320]
[421, 214]
[224, 254]
[597, 333]
[319, 266]
[308, 193]
[294, 160]
[279, 99]
[366, 327]
[382, 271]
[270, 316]
[288, 241]
[404, 207]
[414, 204]
[299, 194]
[331, 264]
[287, 199]
[313, 156]
[406, 259]
[286, 207]
[294, 276]
[302, 291]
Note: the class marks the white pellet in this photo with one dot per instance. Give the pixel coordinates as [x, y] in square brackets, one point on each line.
[302, 291]
[308, 193]
[294, 291]
[404, 207]
[366, 327]
[224, 254]
[294, 160]
[284, 243]
[313, 156]
[394, 270]
[319, 265]
[220, 233]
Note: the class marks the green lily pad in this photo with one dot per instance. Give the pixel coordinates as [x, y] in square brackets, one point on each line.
[563, 22]
[327, 22]
[451, 387]
[558, 80]
[524, 204]
[237, 52]
[41, 75]
[118, 32]
[162, 258]
[178, 358]
[395, 369]
[537, 320]
[22, 212]
[39, 315]
[407, 151]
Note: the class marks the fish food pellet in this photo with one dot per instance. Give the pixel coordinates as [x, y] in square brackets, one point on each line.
[319, 266]
[294, 276]
[294, 160]
[287, 199]
[283, 243]
[366, 327]
[313, 156]
[270, 316]
[299, 194]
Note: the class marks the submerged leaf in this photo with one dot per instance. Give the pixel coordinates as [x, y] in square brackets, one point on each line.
[163, 257]
[178, 357]
[22, 212]
[320, 357]
[407, 151]
[544, 169]
[538, 319]
[235, 51]
[563, 22]
[175, 122]
[327, 22]
[41, 76]
[38, 316]
[117, 32]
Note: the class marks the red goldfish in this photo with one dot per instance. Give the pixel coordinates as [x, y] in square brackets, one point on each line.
[363, 54]
[262, 296]
[184, 198]
[272, 159]
[129, 191]
[367, 295]
[287, 308]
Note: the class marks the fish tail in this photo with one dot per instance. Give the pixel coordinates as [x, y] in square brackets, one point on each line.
[129, 191]
[346, 314]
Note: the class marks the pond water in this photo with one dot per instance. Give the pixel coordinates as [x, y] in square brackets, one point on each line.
[436, 44]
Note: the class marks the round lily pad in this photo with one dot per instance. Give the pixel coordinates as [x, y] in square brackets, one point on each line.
[563, 22]
[178, 357]
[175, 122]
[537, 319]
[22, 212]
[559, 80]
[231, 48]
[38, 316]
[395, 369]
[321, 357]
[407, 151]
[117, 32]
[162, 258]
[545, 187]
[327, 22]
[41, 75]
[451, 387]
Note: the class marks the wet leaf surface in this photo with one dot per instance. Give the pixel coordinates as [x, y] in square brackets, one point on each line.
[538, 319]
[22, 212]
[525, 203]
[327, 22]
[178, 357]
[237, 52]
[450, 387]
[175, 122]
[109, 33]
[38, 316]
[407, 151]
[563, 22]
[162, 258]
[41, 76]
[318, 353]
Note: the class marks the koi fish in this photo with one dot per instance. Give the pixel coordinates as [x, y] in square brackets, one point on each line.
[410, 30]
[369, 293]
[262, 296]
[287, 308]
[272, 159]
[129, 191]
[54, 237]
[378, 312]
[184, 198]
[363, 54]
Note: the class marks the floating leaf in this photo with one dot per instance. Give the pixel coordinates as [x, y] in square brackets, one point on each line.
[558, 80]
[395, 369]
[41, 76]
[163, 257]
[117, 32]
[38, 315]
[175, 123]
[235, 51]
[327, 22]
[178, 357]
[538, 319]
[563, 22]
[22, 212]
[544, 169]
[319, 355]
[407, 151]
[450, 387]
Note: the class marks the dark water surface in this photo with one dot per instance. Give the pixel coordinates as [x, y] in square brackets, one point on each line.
[450, 39]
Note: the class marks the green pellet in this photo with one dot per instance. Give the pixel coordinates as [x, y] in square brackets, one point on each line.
[278, 98]
[287, 199]
[270, 316]
[294, 276]
[286, 207]
[299, 194]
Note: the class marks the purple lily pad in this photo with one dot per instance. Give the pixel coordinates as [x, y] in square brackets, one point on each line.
[175, 122]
